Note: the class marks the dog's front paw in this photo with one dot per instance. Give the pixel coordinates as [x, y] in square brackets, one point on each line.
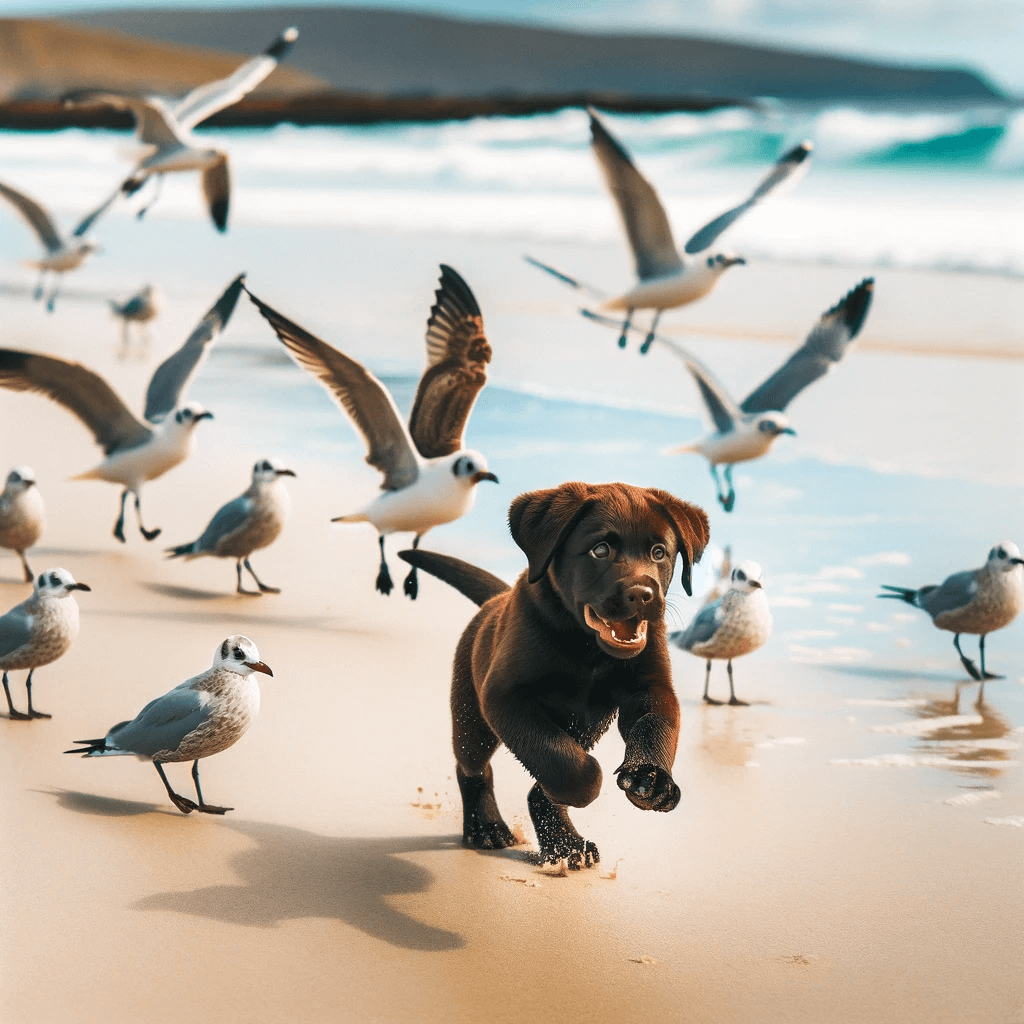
[488, 835]
[576, 851]
[648, 787]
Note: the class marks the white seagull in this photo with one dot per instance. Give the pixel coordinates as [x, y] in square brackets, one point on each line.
[62, 253]
[430, 477]
[976, 601]
[21, 514]
[38, 631]
[250, 522]
[199, 717]
[666, 277]
[165, 126]
[136, 450]
[748, 430]
[735, 624]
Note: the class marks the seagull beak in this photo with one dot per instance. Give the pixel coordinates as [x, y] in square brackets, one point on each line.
[754, 583]
[204, 416]
[1017, 561]
[259, 666]
[284, 472]
[788, 430]
[737, 261]
[78, 586]
[477, 477]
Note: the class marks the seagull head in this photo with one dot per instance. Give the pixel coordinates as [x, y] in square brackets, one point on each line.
[746, 577]
[720, 262]
[266, 471]
[773, 424]
[57, 583]
[1005, 556]
[238, 654]
[20, 479]
[471, 467]
[190, 414]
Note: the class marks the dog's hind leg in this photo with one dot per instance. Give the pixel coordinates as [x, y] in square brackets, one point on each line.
[556, 836]
[482, 825]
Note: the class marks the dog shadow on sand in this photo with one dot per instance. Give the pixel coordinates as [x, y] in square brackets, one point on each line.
[289, 874]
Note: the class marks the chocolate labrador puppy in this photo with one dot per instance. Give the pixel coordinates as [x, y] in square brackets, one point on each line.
[546, 665]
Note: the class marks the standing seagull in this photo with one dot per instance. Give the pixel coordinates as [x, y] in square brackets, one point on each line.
[199, 717]
[665, 277]
[21, 514]
[136, 451]
[139, 309]
[38, 631]
[976, 601]
[62, 254]
[430, 478]
[165, 128]
[747, 431]
[736, 624]
[250, 522]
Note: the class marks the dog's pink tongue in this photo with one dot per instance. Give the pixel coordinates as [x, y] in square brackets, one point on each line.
[629, 630]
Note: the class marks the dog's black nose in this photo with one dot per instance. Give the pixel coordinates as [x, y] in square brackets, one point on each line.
[637, 596]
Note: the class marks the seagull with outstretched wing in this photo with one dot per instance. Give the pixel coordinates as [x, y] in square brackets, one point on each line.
[136, 449]
[666, 277]
[430, 477]
[165, 126]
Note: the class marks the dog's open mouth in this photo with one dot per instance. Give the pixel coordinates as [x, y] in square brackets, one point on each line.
[627, 635]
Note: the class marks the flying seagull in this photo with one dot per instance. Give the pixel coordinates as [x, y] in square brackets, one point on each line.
[62, 253]
[748, 430]
[976, 601]
[250, 522]
[21, 514]
[38, 631]
[165, 128]
[430, 477]
[199, 717]
[666, 278]
[136, 450]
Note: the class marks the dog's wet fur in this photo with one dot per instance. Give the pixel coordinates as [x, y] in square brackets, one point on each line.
[546, 665]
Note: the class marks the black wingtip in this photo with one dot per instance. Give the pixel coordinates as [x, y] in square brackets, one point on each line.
[854, 306]
[219, 213]
[599, 135]
[799, 153]
[225, 305]
[282, 45]
[455, 288]
[92, 747]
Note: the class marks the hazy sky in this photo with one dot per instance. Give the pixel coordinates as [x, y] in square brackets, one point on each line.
[985, 35]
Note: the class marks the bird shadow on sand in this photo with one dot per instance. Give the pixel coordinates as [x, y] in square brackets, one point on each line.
[189, 593]
[289, 874]
[900, 675]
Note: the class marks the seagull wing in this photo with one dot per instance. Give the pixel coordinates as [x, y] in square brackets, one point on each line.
[155, 123]
[367, 402]
[643, 216]
[786, 165]
[824, 347]
[174, 373]
[954, 592]
[15, 630]
[206, 100]
[163, 723]
[80, 391]
[723, 410]
[229, 518]
[217, 191]
[457, 356]
[90, 218]
[39, 220]
[702, 629]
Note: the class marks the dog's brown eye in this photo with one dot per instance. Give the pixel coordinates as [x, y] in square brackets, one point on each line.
[601, 550]
[658, 552]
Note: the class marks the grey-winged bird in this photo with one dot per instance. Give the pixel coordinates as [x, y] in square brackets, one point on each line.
[199, 717]
[21, 514]
[736, 624]
[142, 307]
[748, 430]
[666, 277]
[976, 601]
[250, 522]
[136, 450]
[38, 631]
[164, 128]
[430, 477]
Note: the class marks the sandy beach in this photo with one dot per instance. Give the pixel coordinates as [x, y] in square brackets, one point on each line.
[845, 847]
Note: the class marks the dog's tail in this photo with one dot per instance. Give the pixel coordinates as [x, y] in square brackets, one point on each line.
[477, 584]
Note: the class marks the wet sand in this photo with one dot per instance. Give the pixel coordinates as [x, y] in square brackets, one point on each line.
[832, 857]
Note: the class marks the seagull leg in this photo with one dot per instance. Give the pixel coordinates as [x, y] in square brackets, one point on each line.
[148, 534]
[203, 805]
[16, 716]
[38, 293]
[384, 584]
[972, 669]
[730, 499]
[51, 301]
[625, 328]
[707, 679]
[126, 343]
[159, 189]
[119, 525]
[984, 674]
[259, 583]
[732, 693]
[240, 589]
[411, 586]
[25, 566]
[181, 802]
[32, 713]
[649, 340]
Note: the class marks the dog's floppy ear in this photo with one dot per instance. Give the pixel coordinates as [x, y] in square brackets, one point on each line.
[540, 521]
[690, 524]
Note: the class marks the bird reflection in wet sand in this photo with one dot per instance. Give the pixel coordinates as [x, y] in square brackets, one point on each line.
[979, 742]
